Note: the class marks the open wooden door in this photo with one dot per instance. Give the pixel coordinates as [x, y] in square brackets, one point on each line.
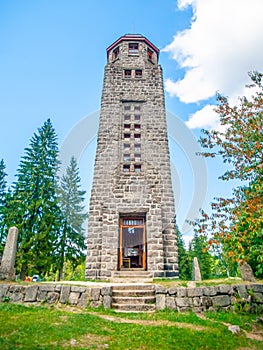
[132, 249]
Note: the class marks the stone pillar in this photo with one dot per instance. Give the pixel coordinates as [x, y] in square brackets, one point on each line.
[196, 270]
[7, 269]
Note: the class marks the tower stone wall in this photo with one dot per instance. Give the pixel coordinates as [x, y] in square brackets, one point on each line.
[132, 167]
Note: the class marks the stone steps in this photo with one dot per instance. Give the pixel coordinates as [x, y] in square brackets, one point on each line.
[131, 276]
[133, 298]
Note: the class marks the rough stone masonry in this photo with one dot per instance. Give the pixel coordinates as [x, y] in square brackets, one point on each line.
[131, 218]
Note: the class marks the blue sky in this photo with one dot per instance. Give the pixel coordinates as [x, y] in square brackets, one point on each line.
[53, 53]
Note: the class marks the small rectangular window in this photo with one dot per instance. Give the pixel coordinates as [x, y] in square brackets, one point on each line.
[127, 108]
[137, 117]
[137, 157]
[150, 54]
[133, 48]
[116, 53]
[137, 136]
[137, 168]
[138, 73]
[127, 136]
[126, 158]
[127, 73]
[137, 108]
[126, 168]
[126, 147]
[127, 117]
[127, 126]
[137, 147]
[137, 127]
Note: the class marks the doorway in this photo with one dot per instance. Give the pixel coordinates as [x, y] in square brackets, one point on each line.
[132, 243]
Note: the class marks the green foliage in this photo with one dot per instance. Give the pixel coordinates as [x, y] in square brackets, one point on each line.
[3, 195]
[70, 243]
[33, 206]
[237, 222]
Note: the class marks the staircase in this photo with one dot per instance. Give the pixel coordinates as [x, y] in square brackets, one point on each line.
[133, 298]
[131, 276]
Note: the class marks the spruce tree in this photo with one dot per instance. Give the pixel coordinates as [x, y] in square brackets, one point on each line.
[71, 241]
[3, 195]
[33, 208]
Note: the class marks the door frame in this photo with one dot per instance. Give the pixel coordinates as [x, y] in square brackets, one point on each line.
[123, 225]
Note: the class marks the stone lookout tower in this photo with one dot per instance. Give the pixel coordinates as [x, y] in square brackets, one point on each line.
[131, 218]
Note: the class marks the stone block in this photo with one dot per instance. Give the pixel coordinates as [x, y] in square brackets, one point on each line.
[83, 300]
[78, 289]
[106, 291]
[257, 288]
[181, 292]
[160, 289]
[210, 291]
[64, 294]
[172, 291]
[47, 288]
[160, 302]
[73, 298]
[206, 301]
[41, 295]
[195, 292]
[196, 301]
[221, 300]
[225, 289]
[170, 303]
[3, 290]
[107, 299]
[31, 293]
[95, 294]
[242, 291]
[58, 288]
[183, 302]
[52, 297]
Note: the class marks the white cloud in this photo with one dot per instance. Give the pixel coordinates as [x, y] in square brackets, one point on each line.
[222, 45]
[205, 118]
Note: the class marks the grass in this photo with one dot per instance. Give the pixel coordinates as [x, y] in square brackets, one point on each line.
[28, 327]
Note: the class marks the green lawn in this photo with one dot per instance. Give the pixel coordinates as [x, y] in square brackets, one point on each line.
[31, 327]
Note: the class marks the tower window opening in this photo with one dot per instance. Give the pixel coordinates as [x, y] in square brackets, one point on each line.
[116, 53]
[137, 136]
[137, 108]
[137, 147]
[137, 127]
[127, 146]
[127, 108]
[138, 73]
[137, 117]
[137, 168]
[150, 54]
[133, 48]
[127, 73]
[137, 157]
[127, 136]
[126, 168]
[126, 158]
[127, 117]
[127, 126]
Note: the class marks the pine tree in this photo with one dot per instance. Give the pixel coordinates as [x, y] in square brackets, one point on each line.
[3, 195]
[33, 207]
[71, 242]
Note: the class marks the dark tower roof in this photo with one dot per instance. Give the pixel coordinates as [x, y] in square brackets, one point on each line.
[133, 37]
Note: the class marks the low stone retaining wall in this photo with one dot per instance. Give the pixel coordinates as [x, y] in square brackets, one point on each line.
[176, 298]
[51, 294]
[208, 298]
